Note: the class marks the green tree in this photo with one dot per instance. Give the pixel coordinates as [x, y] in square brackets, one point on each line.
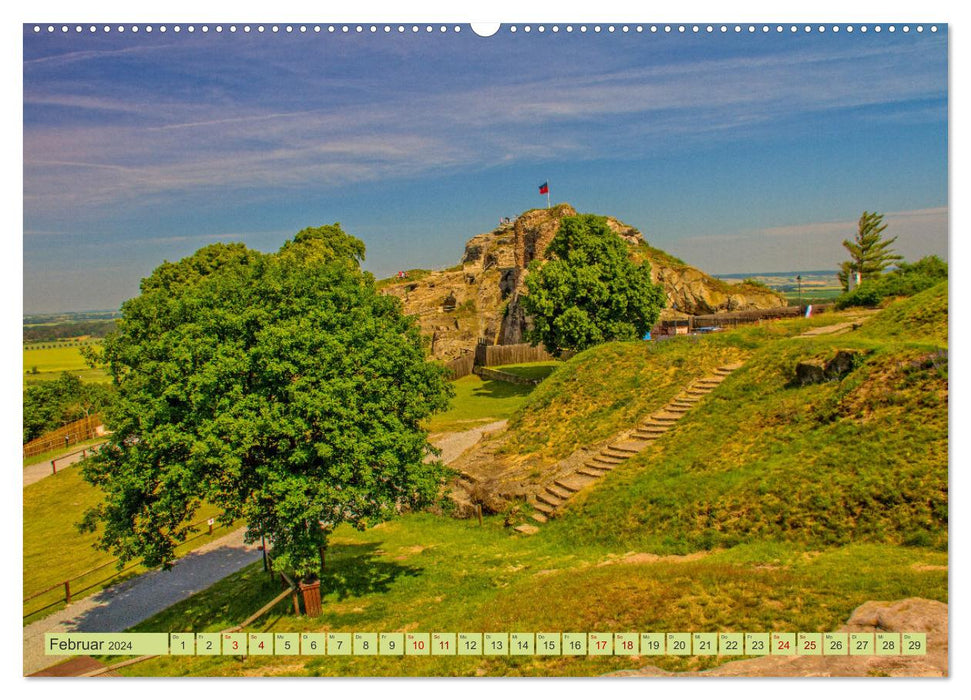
[280, 387]
[870, 254]
[588, 291]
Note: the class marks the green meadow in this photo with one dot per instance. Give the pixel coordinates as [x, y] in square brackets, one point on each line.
[770, 506]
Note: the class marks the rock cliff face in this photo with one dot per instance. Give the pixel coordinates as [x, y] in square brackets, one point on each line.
[480, 297]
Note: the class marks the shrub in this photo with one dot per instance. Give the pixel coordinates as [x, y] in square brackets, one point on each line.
[904, 281]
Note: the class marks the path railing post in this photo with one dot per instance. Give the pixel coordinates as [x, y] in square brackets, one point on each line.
[67, 592]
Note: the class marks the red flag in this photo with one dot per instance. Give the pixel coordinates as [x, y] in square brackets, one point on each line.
[544, 188]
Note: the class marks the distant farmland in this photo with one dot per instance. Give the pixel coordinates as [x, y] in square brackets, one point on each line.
[815, 286]
[46, 360]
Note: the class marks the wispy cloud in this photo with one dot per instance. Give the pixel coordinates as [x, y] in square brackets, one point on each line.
[135, 145]
[248, 142]
[70, 57]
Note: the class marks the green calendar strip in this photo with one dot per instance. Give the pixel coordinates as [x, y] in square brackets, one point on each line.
[488, 644]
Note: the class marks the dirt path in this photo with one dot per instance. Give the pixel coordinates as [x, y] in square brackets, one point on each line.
[117, 608]
[839, 328]
[453, 445]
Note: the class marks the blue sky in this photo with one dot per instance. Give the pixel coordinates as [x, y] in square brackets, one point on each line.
[737, 152]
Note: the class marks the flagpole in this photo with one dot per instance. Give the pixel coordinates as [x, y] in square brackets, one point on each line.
[547, 193]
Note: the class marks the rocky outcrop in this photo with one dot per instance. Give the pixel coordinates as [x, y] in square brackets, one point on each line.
[909, 615]
[480, 297]
[690, 291]
[817, 371]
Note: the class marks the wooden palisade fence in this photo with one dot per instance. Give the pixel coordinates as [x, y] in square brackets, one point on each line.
[486, 355]
[494, 355]
[461, 366]
[65, 436]
[735, 318]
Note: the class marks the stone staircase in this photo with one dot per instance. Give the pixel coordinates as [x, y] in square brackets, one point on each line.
[555, 495]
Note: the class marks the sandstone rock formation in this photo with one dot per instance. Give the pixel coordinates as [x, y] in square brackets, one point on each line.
[479, 298]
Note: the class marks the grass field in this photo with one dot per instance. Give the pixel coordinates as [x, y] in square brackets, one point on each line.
[813, 295]
[50, 359]
[54, 550]
[422, 573]
[478, 401]
[531, 370]
[770, 506]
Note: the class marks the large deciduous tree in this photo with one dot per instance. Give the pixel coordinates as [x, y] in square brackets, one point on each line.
[281, 387]
[589, 291]
[869, 253]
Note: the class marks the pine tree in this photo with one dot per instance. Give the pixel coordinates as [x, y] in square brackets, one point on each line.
[870, 255]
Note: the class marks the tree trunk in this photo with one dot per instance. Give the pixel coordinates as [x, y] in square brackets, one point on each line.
[311, 598]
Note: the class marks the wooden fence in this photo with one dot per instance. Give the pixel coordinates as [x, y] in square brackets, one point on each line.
[82, 583]
[734, 318]
[486, 355]
[65, 436]
[494, 355]
[461, 366]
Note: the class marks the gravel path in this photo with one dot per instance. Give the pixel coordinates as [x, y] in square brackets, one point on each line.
[117, 608]
[40, 470]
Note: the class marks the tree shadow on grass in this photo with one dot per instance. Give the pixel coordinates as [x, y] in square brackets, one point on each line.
[495, 389]
[357, 570]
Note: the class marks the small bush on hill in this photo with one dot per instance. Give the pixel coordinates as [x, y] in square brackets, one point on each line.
[906, 280]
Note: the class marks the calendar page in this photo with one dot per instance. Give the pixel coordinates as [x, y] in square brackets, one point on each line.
[437, 349]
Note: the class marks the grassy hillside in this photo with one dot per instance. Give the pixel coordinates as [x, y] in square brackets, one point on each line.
[769, 506]
[606, 389]
[863, 459]
[920, 317]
